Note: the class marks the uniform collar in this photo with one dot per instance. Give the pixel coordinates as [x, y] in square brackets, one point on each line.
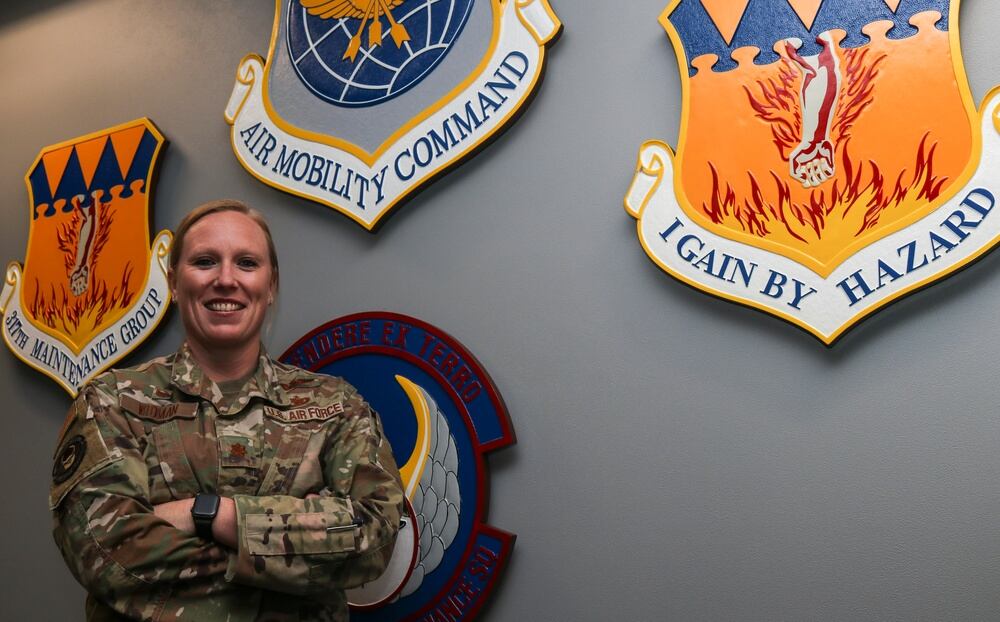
[187, 376]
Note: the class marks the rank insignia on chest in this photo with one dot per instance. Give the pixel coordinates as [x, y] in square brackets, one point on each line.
[831, 159]
[92, 287]
[238, 451]
[361, 103]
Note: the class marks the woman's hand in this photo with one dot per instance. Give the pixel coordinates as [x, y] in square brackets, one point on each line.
[178, 514]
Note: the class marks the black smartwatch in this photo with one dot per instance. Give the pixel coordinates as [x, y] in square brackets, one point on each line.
[204, 510]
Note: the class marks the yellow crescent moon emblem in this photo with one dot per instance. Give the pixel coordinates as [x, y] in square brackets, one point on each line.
[410, 472]
[406, 552]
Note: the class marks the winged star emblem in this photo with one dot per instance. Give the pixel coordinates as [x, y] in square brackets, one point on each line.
[365, 10]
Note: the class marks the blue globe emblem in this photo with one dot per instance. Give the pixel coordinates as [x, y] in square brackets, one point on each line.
[363, 52]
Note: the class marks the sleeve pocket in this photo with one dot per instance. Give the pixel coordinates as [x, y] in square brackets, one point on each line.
[297, 534]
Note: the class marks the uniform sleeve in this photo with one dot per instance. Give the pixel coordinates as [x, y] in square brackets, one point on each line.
[104, 523]
[340, 540]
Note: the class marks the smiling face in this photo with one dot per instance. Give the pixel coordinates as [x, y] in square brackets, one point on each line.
[223, 284]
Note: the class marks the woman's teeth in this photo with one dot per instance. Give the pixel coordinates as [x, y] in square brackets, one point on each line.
[223, 306]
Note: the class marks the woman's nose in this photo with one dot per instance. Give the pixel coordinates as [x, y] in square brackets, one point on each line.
[226, 276]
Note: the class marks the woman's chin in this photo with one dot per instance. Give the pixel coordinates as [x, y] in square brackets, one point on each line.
[233, 340]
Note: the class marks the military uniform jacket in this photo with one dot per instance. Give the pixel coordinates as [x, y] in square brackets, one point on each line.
[163, 431]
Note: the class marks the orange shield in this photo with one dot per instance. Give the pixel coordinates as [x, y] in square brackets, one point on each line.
[88, 254]
[812, 128]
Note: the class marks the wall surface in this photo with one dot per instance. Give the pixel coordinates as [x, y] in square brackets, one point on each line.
[678, 457]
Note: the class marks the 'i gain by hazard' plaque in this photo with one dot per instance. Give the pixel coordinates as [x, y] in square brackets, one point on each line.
[830, 160]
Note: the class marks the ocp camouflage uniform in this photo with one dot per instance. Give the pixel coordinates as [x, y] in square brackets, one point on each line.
[163, 431]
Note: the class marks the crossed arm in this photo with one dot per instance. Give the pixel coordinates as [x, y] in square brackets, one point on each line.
[121, 547]
[224, 527]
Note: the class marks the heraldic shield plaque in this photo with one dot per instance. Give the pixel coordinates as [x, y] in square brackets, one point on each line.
[362, 102]
[830, 159]
[92, 287]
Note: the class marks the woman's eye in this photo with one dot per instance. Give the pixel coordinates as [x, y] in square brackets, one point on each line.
[247, 263]
[203, 262]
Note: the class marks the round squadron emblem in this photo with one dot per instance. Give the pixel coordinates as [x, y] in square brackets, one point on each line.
[68, 459]
[442, 415]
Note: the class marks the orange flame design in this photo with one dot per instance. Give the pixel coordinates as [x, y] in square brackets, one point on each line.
[117, 265]
[896, 150]
[80, 317]
[754, 214]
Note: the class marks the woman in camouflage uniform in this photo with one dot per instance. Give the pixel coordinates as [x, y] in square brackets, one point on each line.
[216, 483]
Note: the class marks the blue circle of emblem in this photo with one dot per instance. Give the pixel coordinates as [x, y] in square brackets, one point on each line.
[364, 52]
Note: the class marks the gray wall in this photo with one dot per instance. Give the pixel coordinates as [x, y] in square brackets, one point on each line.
[678, 457]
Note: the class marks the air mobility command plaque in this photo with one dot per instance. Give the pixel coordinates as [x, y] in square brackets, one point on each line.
[92, 287]
[442, 415]
[830, 160]
[362, 102]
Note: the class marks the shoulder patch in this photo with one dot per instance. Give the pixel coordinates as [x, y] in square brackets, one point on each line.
[305, 413]
[158, 412]
[80, 455]
[68, 459]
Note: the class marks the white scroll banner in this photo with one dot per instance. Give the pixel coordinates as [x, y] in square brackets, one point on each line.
[952, 236]
[49, 355]
[366, 189]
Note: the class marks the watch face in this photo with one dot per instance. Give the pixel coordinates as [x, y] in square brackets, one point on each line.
[206, 506]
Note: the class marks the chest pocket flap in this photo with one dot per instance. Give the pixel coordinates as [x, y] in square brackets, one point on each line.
[283, 467]
[176, 467]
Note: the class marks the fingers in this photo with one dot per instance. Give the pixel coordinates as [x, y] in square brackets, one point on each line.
[815, 172]
[813, 165]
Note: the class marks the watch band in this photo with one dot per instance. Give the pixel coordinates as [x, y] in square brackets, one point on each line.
[204, 511]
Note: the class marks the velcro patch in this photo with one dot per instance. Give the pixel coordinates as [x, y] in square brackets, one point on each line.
[158, 412]
[79, 456]
[238, 451]
[68, 459]
[307, 413]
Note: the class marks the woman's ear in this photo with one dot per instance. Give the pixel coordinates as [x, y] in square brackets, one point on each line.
[172, 284]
